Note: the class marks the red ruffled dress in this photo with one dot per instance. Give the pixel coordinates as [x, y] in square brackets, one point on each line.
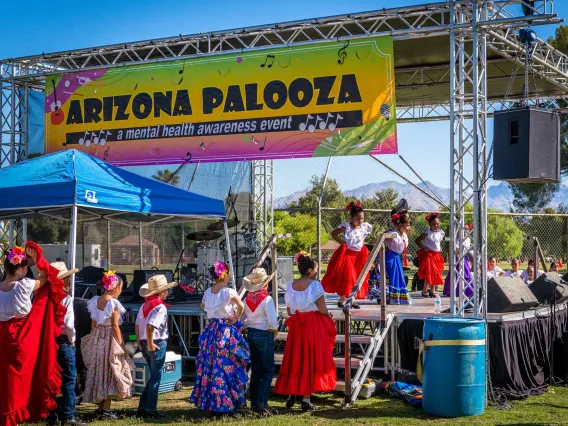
[30, 377]
[430, 260]
[347, 263]
[307, 366]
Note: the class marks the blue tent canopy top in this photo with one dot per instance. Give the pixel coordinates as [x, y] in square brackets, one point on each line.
[67, 178]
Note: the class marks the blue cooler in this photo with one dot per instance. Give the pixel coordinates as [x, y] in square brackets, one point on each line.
[171, 378]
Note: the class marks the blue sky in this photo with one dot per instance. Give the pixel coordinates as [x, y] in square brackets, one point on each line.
[32, 26]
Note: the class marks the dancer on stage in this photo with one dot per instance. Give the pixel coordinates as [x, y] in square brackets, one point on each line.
[468, 291]
[30, 377]
[308, 366]
[398, 293]
[109, 368]
[430, 260]
[223, 353]
[349, 259]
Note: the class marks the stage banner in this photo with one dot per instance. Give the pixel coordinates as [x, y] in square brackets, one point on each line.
[319, 100]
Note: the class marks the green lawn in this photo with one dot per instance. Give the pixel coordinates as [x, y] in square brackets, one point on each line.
[549, 408]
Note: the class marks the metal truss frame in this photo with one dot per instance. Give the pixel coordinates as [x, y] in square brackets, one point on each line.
[262, 199]
[483, 24]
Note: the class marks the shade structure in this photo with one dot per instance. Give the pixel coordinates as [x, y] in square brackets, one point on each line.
[72, 178]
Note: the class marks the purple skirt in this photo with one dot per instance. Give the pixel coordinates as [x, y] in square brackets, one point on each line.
[467, 275]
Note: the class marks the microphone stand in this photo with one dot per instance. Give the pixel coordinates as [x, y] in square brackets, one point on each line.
[177, 270]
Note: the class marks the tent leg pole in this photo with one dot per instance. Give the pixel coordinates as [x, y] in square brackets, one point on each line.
[72, 247]
[229, 255]
[140, 243]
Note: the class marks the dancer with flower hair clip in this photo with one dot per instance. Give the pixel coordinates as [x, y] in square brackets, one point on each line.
[430, 260]
[109, 367]
[349, 259]
[223, 353]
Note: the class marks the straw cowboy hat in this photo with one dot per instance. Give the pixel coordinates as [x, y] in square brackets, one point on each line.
[256, 280]
[62, 268]
[155, 285]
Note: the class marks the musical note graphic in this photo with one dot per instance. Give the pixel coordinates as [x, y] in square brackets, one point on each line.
[312, 127]
[333, 126]
[96, 138]
[202, 145]
[187, 157]
[304, 126]
[180, 72]
[323, 124]
[104, 139]
[266, 60]
[263, 145]
[105, 155]
[342, 53]
[84, 140]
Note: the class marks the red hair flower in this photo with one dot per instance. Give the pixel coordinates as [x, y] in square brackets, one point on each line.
[432, 216]
[469, 226]
[395, 219]
[16, 256]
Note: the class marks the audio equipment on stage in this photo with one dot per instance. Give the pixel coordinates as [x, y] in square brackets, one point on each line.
[550, 287]
[141, 277]
[526, 145]
[509, 294]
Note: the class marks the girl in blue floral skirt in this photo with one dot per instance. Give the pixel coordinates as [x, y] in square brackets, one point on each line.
[223, 353]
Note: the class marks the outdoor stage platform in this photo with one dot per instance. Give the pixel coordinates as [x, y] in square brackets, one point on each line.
[527, 351]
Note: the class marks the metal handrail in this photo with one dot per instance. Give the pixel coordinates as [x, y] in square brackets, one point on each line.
[378, 248]
[270, 247]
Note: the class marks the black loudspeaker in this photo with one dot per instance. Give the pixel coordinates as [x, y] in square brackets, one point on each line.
[526, 145]
[549, 285]
[509, 294]
[141, 277]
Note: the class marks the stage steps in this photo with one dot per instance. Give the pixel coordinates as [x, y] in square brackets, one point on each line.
[340, 338]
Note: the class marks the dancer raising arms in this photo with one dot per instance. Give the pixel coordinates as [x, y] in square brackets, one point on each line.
[430, 260]
[349, 259]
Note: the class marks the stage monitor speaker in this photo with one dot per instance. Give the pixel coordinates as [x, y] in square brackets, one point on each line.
[509, 294]
[548, 286]
[526, 145]
[141, 277]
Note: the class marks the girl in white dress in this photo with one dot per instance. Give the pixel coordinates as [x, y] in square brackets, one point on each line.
[430, 260]
[307, 366]
[109, 367]
[349, 259]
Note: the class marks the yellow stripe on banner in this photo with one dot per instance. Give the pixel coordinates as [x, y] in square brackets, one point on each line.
[454, 342]
[424, 343]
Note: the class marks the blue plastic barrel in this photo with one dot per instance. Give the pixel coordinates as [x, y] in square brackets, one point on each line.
[453, 367]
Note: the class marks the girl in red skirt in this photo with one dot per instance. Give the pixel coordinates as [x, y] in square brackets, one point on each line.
[430, 260]
[307, 366]
[349, 259]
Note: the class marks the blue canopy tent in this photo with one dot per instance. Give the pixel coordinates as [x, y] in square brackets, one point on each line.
[68, 183]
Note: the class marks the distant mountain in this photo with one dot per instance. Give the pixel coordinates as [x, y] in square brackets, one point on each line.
[499, 196]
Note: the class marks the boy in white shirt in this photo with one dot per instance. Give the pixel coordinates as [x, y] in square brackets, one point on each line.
[261, 321]
[151, 336]
[514, 271]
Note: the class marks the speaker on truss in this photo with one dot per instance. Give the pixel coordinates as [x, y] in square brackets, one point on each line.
[509, 294]
[548, 287]
[526, 145]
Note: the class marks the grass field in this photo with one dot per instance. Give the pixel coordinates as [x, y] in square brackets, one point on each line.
[549, 408]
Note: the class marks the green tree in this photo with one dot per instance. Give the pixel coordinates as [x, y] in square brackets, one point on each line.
[48, 231]
[381, 200]
[332, 197]
[167, 176]
[303, 228]
[504, 237]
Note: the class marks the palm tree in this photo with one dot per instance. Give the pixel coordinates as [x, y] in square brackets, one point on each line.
[167, 176]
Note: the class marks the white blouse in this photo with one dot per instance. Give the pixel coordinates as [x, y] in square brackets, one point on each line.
[220, 305]
[433, 239]
[355, 238]
[158, 318]
[492, 273]
[17, 302]
[104, 317]
[69, 319]
[399, 243]
[263, 318]
[304, 301]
